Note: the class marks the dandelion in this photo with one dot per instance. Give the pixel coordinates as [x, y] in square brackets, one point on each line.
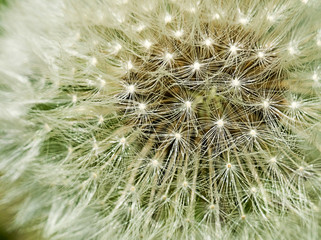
[161, 119]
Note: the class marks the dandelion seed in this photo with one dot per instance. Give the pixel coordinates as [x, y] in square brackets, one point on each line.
[47, 127]
[292, 50]
[95, 147]
[266, 104]
[140, 27]
[168, 18]
[177, 136]
[129, 65]
[155, 163]
[93, 61]
[220, 123]
[253, 133]
[216, 16]
[94, 175]
[100, 120]
[130, 89]
[253, 190]
[235, 82]
[208, 42]
[122, 141]
[212, 207]
[147, 44]
[228, 166]
[185, 184]
[271, 17]
[196, 66]
[273, 160]
[188, 104]
[142, 107]
[234, 49]
[74, 98]
[117, 47]
[244, 20]
[168, 56]
[261, 54]
[179, 33]
[164, 197]
[294, 105]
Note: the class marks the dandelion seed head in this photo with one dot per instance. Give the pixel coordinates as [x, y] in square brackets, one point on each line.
[161, 119]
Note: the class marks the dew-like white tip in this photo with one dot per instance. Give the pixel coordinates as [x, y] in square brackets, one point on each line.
[294, 105]
[260, 54]
[220, 123]
[228, 166]
[188, 104]
[233, 49]
[147, 44]
[168, 56]
[178, 33]
[273, 160]
[130, 89]
[129, 65]
[315, 77]
[74, 98]
[93, 61]
[292, 50]
[235, 82]
[266, 103]
[122, 140]
[216, 16]
[117, 47]
[208, 42]
[253, 133]
[177, 136]
[244, 20]
[142, 106]
[196, 66]
[100, 119]
[155, 162]
[168, 18]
